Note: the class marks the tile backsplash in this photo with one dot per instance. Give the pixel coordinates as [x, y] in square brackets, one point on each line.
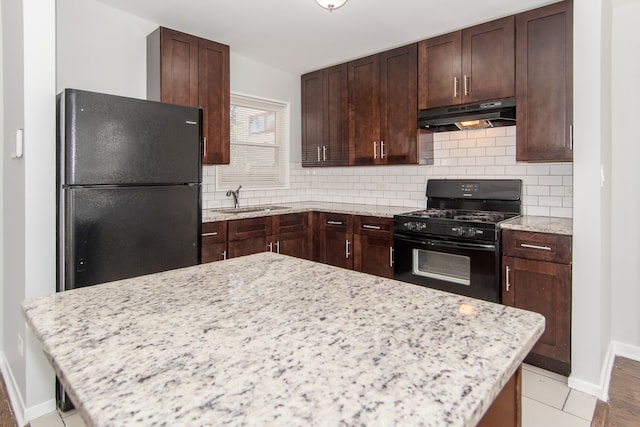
[491, 153]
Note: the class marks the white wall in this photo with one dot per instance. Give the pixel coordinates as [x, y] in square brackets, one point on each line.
[101, 49]
[29, 195]
[625, 173]
[591, 305]
[2, 343]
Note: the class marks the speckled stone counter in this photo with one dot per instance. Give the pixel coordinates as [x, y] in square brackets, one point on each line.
[211, 215]
[272, 340]
[540, 224]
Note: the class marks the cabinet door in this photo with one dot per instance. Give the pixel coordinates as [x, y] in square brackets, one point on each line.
[214, 241]
[292, 235]
[545, 288]
[399, 105]
[439, 66]
[249, 246]
[214, 97]
[544, 83]
[248, 236]
[364, 111]
[373, 247]
[325, 134]
[312, 118]
[335, 150]
[335, 239]
[178, 68]
[488, 61]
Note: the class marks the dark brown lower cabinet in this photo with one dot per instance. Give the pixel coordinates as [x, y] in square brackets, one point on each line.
[214, 241]
[291, 235]
[531, 282]
[249, 236]
[506, 409]
[373, 245]
[333, 239]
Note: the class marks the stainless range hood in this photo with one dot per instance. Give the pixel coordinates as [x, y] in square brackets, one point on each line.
[470, 116]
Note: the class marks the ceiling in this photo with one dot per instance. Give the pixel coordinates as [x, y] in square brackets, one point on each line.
[298, 36]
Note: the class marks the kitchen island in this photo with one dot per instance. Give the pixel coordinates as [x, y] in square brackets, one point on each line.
[268, 339]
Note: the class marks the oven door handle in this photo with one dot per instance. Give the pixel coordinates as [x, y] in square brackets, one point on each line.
[460, 245]
[444, 243]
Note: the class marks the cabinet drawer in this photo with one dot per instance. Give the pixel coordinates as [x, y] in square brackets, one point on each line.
[373, 226]
[214, 232]
[249, 228]
[336, 222]
[290, 223]
[537, 246]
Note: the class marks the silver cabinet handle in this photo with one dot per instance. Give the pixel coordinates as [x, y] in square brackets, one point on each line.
[571, 137]
[224, 255]
[346, 249]
[375, 149]
[324, 153]
[541, 248]
[391, 256]
[334, 222]
[508, 285]
[270, 247]
[215, 233]
[455, 86]
[278, 247]
[204, 146]
[466, 85]
[382, 149]
[371, 227]
[318, 154]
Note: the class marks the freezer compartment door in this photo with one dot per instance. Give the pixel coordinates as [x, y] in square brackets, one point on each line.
[107, 139]
[120, 232]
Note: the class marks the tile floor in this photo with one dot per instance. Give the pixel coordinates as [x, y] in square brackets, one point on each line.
[546, 402]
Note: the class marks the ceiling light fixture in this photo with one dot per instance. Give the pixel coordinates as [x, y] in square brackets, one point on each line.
[330, 5]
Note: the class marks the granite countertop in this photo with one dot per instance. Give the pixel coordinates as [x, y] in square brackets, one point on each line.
[212, 215]
[540, 224]
[269, 339]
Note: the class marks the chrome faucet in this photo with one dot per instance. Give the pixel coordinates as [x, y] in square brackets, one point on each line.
[236, 196]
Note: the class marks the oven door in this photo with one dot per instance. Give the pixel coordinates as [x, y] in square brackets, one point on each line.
[452, 265]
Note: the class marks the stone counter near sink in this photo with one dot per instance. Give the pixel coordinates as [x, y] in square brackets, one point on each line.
[540, 224]
[212, 215]
[268, 339]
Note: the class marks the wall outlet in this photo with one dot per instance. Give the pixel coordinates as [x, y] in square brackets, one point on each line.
[20, 345]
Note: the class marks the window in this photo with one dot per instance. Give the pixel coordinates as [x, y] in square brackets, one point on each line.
[259, 145]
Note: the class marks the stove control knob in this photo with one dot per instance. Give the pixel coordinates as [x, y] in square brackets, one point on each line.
[409, 225]
[457, 230]
[470, 232]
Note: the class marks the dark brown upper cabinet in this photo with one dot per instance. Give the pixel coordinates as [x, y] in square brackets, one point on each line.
[472, 65]
[325, 132]
[187, 70]
[383, 108]
[544, 81]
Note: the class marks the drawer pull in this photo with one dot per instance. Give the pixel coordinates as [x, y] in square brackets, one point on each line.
[391, 256]
[346, 249]
[215, 233]
[528, 246]
[371, 227]
[334, 222]
[508, 285]
[224, 255]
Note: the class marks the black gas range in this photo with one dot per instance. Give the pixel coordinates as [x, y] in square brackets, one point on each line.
[454, 244]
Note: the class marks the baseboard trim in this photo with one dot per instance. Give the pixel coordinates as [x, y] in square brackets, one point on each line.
[601, 390]
[15, 398]
[22, 413]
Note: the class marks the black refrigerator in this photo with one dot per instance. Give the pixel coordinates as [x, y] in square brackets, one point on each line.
[128, 188]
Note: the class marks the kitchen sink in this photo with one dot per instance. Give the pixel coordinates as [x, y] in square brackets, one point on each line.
[251, 209]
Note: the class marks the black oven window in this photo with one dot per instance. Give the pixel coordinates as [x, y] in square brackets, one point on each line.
[442, 266]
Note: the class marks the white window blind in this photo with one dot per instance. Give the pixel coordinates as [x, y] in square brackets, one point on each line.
[259, 145]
